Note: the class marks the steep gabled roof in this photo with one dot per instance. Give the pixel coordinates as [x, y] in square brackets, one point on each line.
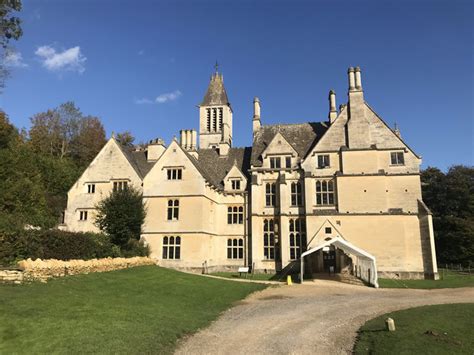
[216, 94]
[215, 167]
[137, 160]
[301, 136]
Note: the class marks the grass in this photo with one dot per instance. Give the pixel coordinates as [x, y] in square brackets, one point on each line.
[448, 279]
[138, 310]
[260, 277]
[440, 329]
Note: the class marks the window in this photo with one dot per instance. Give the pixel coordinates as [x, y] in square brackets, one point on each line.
[275, 163]
[171, 247]
[328, 230]
[83, 215]
[235, 215]
[323, 161]
[296, 197]
[270, 194]
[397, 158]
[208, 116]
[174, 174]
[214, 119]
[173, 210]
[235, 184]
[220, 118]
[120, 185]
[325, 192]
[270, 247]
[235, 248]
[91, 188]
[288, 162]
[297, 237]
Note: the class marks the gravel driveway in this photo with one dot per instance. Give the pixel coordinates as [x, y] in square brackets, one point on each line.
[320, 317]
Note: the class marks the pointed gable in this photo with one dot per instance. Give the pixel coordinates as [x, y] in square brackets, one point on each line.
[216, 93]
[279, 145]
[235, 174]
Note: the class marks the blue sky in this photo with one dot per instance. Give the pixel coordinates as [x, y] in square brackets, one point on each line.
[144, 66]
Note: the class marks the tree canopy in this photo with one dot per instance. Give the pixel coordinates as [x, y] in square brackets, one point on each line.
[10, 29]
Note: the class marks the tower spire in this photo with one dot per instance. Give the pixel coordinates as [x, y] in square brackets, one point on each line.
[216, 67]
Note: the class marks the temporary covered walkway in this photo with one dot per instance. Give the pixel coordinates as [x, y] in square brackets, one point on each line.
[365, 264]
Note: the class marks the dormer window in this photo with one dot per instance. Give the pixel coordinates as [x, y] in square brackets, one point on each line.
[235, 184]
[323, 161]
[397, 158]
[275, 163]
[174, 174]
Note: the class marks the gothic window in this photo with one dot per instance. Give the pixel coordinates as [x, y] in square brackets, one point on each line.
[174, 174]
[324, 192]
[270, 249]
[323, 161]
[297, 236]
[270, 194]
[275, 163]
[220, 118]
[208, 116]
[171, 247]
[173, 210]
[235, 215]
[120, 185]
[296, 197]
[214, 120]
[235, 248]
[397, 158]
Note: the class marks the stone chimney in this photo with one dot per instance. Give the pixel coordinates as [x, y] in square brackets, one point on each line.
[358, 125]
[256, 115]
[188, 138]
[332, 106]
[155, 148]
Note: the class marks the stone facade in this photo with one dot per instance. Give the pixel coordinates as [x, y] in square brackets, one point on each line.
[221, 207]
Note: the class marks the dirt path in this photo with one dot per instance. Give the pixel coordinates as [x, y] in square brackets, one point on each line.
[318, 318]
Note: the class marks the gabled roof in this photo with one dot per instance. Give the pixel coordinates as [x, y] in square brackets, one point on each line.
[301, 136]
[214, 167]
[137, 160]
[216, 94]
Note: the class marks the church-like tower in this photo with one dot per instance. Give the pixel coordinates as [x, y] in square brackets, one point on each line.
[215, 117]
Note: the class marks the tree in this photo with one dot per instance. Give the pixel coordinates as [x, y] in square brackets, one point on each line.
[8, 132]
[125, 139]
[10, 28]
[451, 199]
[121, 216]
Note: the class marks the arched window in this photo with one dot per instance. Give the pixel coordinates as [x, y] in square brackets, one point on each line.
[325, 192]
[235, 248]
[297, 229]
[296, 197]
[173, 210]
[208, 118]
[172, 247]
[214, 120]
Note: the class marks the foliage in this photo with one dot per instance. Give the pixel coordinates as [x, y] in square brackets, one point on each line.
[448, 279]
[121, 216]
[53, 244]
[439, 329]
[125, 139]
[450, 197]
[150, 308]
[10, 29]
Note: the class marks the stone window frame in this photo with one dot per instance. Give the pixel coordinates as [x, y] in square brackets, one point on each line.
[275, 162]
[83, 215]
[270, 194]
[173, 210]
[235, 184]
[119, 185]
[171, 248]
[235, 215]
[91, 188]
[324, 161]
[270, 245]
[296, 193]
[235, 248]
[325, 192]
[397, 158]
[174, 174]
[297, 237]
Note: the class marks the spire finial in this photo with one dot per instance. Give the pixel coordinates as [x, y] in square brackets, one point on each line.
[216, 66]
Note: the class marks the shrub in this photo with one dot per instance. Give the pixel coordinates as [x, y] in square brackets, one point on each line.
[54, 244]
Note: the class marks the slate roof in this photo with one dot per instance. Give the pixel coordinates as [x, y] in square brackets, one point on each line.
[137, 159]
[214, 168]
[301, 136]
[216, 94]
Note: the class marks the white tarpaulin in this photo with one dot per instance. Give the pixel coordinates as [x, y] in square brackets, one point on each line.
[365, 265]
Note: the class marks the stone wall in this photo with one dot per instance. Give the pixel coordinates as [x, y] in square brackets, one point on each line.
[42, 270]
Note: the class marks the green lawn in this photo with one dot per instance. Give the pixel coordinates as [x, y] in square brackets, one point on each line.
[448, 279]
[261, 277]
[134, 311]
[440, 329]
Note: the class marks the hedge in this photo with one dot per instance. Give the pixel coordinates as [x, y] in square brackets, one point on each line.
[61, 245]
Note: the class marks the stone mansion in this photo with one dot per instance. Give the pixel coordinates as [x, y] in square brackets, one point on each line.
[337, 193]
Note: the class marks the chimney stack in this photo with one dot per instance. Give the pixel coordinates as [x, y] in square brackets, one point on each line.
[155, 148]
[351, 75]
[358, 79]
[332, 106]
[256, 115]
[188, 139]
[182, 139]
[193, 139]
